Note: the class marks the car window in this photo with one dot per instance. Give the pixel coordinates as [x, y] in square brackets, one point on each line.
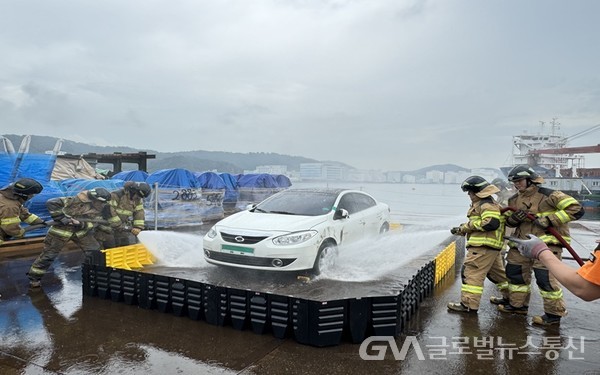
[356, 202]
[364, 201]
[348, 203]
[306, 203]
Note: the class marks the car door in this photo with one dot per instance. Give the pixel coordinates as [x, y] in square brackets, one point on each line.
[354, 226]
[369, 213]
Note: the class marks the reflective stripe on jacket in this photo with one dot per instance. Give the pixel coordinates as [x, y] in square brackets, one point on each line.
[12, 214]
[130, 211]
[558, 207]
[78, 207]
[486, 224]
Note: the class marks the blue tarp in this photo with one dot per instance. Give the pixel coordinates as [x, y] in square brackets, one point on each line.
[7, 161]
[213, 190]
[173, 178]
[231, 190]
[255, 188]
[209, 180]
[137, 176]
[37, 205]
[262, 180]
[36, 166]
[178, 198]
[283, 181]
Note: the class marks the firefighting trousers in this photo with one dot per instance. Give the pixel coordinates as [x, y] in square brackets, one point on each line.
[518, 272]
[481, 262]
[53, 245]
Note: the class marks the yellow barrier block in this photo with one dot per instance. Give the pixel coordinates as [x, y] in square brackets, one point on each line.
[396, 226]
[128, 257]
[445, 261]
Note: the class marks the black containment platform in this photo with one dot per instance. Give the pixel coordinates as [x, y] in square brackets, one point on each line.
[320, 313]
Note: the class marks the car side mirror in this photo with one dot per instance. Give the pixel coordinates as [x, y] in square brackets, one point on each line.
[341, 214]
[251, 206]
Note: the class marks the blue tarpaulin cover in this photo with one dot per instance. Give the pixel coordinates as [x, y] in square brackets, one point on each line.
[37, 205]
[173, 178]
[7, 161]
[283, 181]
[209, 180]
[178, 199]
[231, 190]
[36, 166]
[137, 176]
[261, 180]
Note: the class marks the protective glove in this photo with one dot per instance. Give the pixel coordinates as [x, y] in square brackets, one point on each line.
[517, 218]
[65, 221]
[135, 231]
[456, 231]
[531, 248]
[79, 225]
[542, 222]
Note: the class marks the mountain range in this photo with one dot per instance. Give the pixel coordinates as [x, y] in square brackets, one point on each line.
[198, 160]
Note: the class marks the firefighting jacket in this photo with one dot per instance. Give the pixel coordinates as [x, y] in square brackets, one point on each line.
[555, 205]
[79, 207]
[130, 211]
[486, 224]
[12, 213]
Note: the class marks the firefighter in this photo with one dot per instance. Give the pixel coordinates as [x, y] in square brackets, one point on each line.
[128, 203]
[12, 211]
[485, 239]
[583, 282]
[550, 208]
[75, 218]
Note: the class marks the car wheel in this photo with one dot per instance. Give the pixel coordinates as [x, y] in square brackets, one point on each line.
[384, 228]
[325, 257]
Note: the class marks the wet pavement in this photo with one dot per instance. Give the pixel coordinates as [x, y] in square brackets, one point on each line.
[57, 330]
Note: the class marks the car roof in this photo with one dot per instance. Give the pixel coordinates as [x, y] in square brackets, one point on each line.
[318, 190]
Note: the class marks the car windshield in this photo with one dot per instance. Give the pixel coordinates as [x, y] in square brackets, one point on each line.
[306, 203]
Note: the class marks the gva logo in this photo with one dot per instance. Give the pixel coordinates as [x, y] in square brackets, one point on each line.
[399, 354]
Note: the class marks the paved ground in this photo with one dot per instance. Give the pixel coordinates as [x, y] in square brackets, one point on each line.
[57, 331]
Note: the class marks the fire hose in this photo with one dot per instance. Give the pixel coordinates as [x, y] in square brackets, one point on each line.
[553, 232]
[50, 223]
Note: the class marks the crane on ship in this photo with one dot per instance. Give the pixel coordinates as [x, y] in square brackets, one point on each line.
[566, 161]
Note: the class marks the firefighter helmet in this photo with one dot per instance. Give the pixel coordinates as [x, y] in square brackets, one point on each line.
[99, 194]
[140, 188]
[24, 187]
[520, 172]
[474, 184]
[143, 189]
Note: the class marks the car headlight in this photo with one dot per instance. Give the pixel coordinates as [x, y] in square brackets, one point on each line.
[212, 233]
[294, 238]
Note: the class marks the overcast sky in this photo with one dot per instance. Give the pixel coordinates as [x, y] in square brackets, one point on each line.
[391, 85]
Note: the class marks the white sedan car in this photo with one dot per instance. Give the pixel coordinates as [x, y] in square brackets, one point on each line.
[296, 229]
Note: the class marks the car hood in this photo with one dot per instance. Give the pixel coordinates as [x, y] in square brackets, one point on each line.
[274, 223]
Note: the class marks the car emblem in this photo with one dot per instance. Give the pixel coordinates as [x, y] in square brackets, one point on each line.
[239, 239]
